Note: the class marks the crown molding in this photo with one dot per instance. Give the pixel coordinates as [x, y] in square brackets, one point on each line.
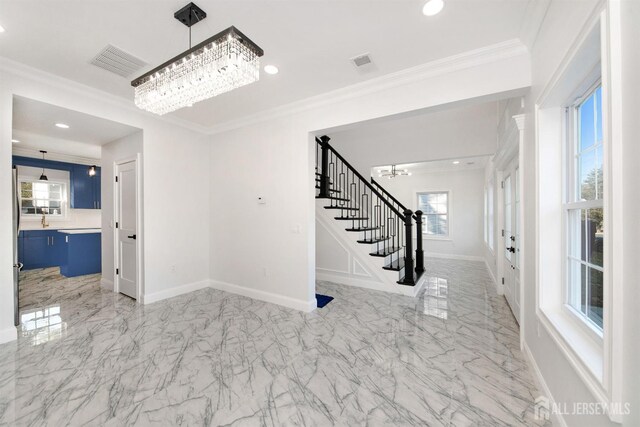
[465, 60]
[34, 153]
[484, 55]
[21, 70]
[532, 22]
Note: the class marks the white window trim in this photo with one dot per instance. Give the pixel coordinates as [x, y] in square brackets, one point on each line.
[600, 368]
[443, 237]
[63, 204]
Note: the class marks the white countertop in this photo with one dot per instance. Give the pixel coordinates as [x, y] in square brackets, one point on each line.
[81, 231]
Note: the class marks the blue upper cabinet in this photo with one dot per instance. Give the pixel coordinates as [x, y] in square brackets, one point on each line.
[85, 189]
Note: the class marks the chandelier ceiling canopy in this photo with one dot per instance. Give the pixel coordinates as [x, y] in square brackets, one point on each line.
[221, 63]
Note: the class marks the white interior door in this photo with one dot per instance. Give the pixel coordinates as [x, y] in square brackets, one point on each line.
[512, 238]
[126, 232]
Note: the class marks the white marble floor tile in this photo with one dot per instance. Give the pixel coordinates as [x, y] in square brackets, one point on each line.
[86, 356]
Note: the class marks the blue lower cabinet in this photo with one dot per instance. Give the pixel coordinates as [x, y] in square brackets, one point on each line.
[39, 248]
[82, 254]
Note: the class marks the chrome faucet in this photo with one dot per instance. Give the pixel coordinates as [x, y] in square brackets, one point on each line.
[43, 221]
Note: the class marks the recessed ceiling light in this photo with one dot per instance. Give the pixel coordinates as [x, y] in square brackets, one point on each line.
[456, 162]
[432, 7]
[15, 141]
[271, 69]
[62, 126]
[1, 29]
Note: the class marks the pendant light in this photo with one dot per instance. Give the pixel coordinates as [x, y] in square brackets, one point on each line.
[43, 177]
[92, 170]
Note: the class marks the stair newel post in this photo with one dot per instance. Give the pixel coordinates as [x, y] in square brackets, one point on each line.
[325, 181]
[419, 251]
[408, 250]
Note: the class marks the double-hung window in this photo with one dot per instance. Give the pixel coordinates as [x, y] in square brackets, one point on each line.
[435, 207]
[42, 197]
[585, 234]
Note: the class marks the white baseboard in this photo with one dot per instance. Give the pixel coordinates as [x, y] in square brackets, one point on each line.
[296, 304]
[454, 256]
[499, 287]
[556, 419]
[106, 283]
[411, 291]
[8, 334]
[174, 292]
[322, 274]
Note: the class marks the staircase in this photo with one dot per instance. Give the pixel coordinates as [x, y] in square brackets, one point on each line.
[366, 208]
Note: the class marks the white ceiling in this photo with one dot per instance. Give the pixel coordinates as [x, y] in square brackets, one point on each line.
[33, 120]
[446, 165]
[310, 41]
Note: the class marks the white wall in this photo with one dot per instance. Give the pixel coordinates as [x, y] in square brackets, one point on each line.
[630, 88]
[466, 209]
[176, 220]
[562, 26]
[120, 149]
[273, 156]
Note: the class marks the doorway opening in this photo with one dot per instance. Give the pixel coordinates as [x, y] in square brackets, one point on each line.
[63, 180]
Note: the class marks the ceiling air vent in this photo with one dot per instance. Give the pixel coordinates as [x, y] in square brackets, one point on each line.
[361, 60]
[117, 61]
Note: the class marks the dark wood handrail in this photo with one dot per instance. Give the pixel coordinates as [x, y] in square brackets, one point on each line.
[356, 173]
[404, 208]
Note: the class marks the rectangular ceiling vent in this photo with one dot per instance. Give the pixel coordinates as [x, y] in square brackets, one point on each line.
[117, 61]
[361, 60]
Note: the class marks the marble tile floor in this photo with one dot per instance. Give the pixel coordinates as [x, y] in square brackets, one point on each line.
[86, 356]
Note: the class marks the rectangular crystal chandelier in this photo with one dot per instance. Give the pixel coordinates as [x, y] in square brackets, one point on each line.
[219, 64]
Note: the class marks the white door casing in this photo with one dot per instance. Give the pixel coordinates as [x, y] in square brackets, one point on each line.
[127, 230]
[512, 228]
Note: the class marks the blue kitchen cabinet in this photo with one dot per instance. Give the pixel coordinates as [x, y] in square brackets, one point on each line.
[85, 189]
[40, 248]
[82, 254]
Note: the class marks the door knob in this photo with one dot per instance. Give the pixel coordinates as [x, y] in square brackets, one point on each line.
[132, 237]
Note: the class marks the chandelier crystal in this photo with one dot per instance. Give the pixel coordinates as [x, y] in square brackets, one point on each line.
[219, 64]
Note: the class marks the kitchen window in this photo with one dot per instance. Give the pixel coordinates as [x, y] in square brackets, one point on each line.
[585, 209]
[435, 207]
[43, 198]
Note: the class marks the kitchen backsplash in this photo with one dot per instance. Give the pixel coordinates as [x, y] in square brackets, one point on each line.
[76, 218]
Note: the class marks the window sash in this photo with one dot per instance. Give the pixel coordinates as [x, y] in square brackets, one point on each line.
[436, 223]
[577, 295]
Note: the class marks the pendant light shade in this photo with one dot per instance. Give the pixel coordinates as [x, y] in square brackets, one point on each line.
[43, 177]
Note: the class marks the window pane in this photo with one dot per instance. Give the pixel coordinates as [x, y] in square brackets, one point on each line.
[586, 120]
[444, 225]
[432, 224]
[587, 175]
[437, 225]
[594, 236]
[577, 280]
[594, 309]
[598, 101]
